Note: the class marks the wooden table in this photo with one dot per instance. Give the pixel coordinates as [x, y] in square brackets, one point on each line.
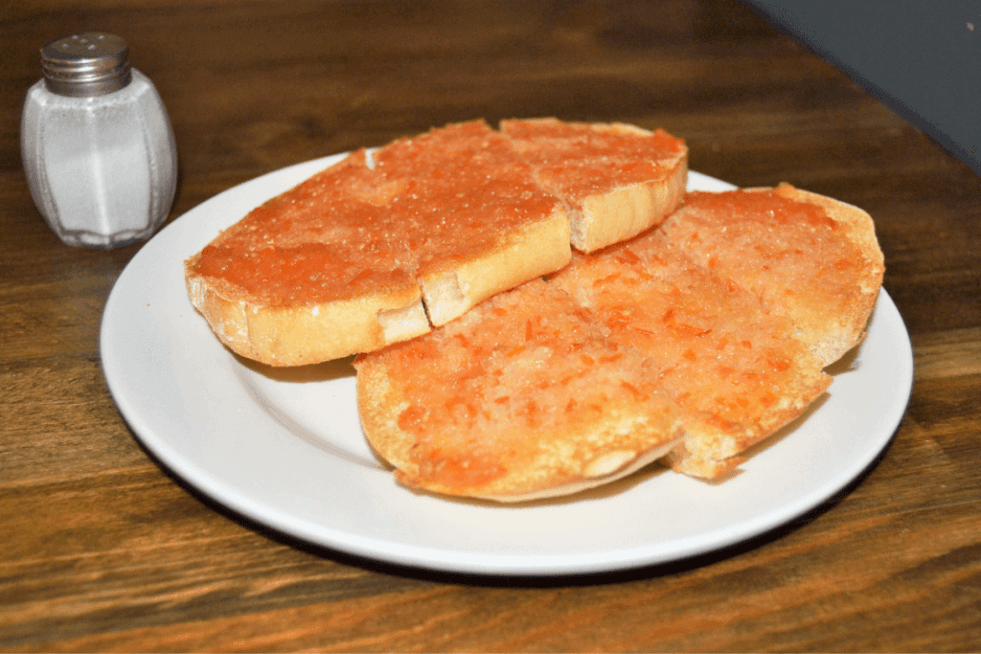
[101, 549]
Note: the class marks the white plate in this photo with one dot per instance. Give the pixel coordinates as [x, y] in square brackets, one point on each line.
[285, 447]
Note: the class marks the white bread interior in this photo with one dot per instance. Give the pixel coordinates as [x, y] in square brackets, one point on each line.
[636, 208]
[449, 291]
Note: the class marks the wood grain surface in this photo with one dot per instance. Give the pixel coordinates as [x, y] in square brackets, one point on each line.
[101, 549]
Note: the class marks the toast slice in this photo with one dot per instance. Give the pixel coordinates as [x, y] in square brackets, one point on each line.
[617, 180]
[734, 368]
[713, 324]
[808, 257]
[522, 398]
[387, 243]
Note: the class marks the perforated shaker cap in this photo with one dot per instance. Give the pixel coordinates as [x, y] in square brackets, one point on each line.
[85, 65]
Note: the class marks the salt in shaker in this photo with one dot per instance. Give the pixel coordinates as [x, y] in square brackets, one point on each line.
[97, 145]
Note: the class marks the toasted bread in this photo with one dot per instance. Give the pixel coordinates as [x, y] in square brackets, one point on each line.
[808, 257]
[522, 398]
[387, 243]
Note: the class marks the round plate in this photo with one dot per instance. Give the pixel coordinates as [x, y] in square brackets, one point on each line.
[285, 447]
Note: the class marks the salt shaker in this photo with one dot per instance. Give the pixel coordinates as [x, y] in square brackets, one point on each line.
[97, 145]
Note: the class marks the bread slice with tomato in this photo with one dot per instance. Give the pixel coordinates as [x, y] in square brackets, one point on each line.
[388, 243]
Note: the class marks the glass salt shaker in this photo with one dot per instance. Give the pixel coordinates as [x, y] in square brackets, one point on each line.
[97, 145]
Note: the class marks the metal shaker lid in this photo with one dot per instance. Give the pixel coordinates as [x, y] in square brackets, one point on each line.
[84, 65]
